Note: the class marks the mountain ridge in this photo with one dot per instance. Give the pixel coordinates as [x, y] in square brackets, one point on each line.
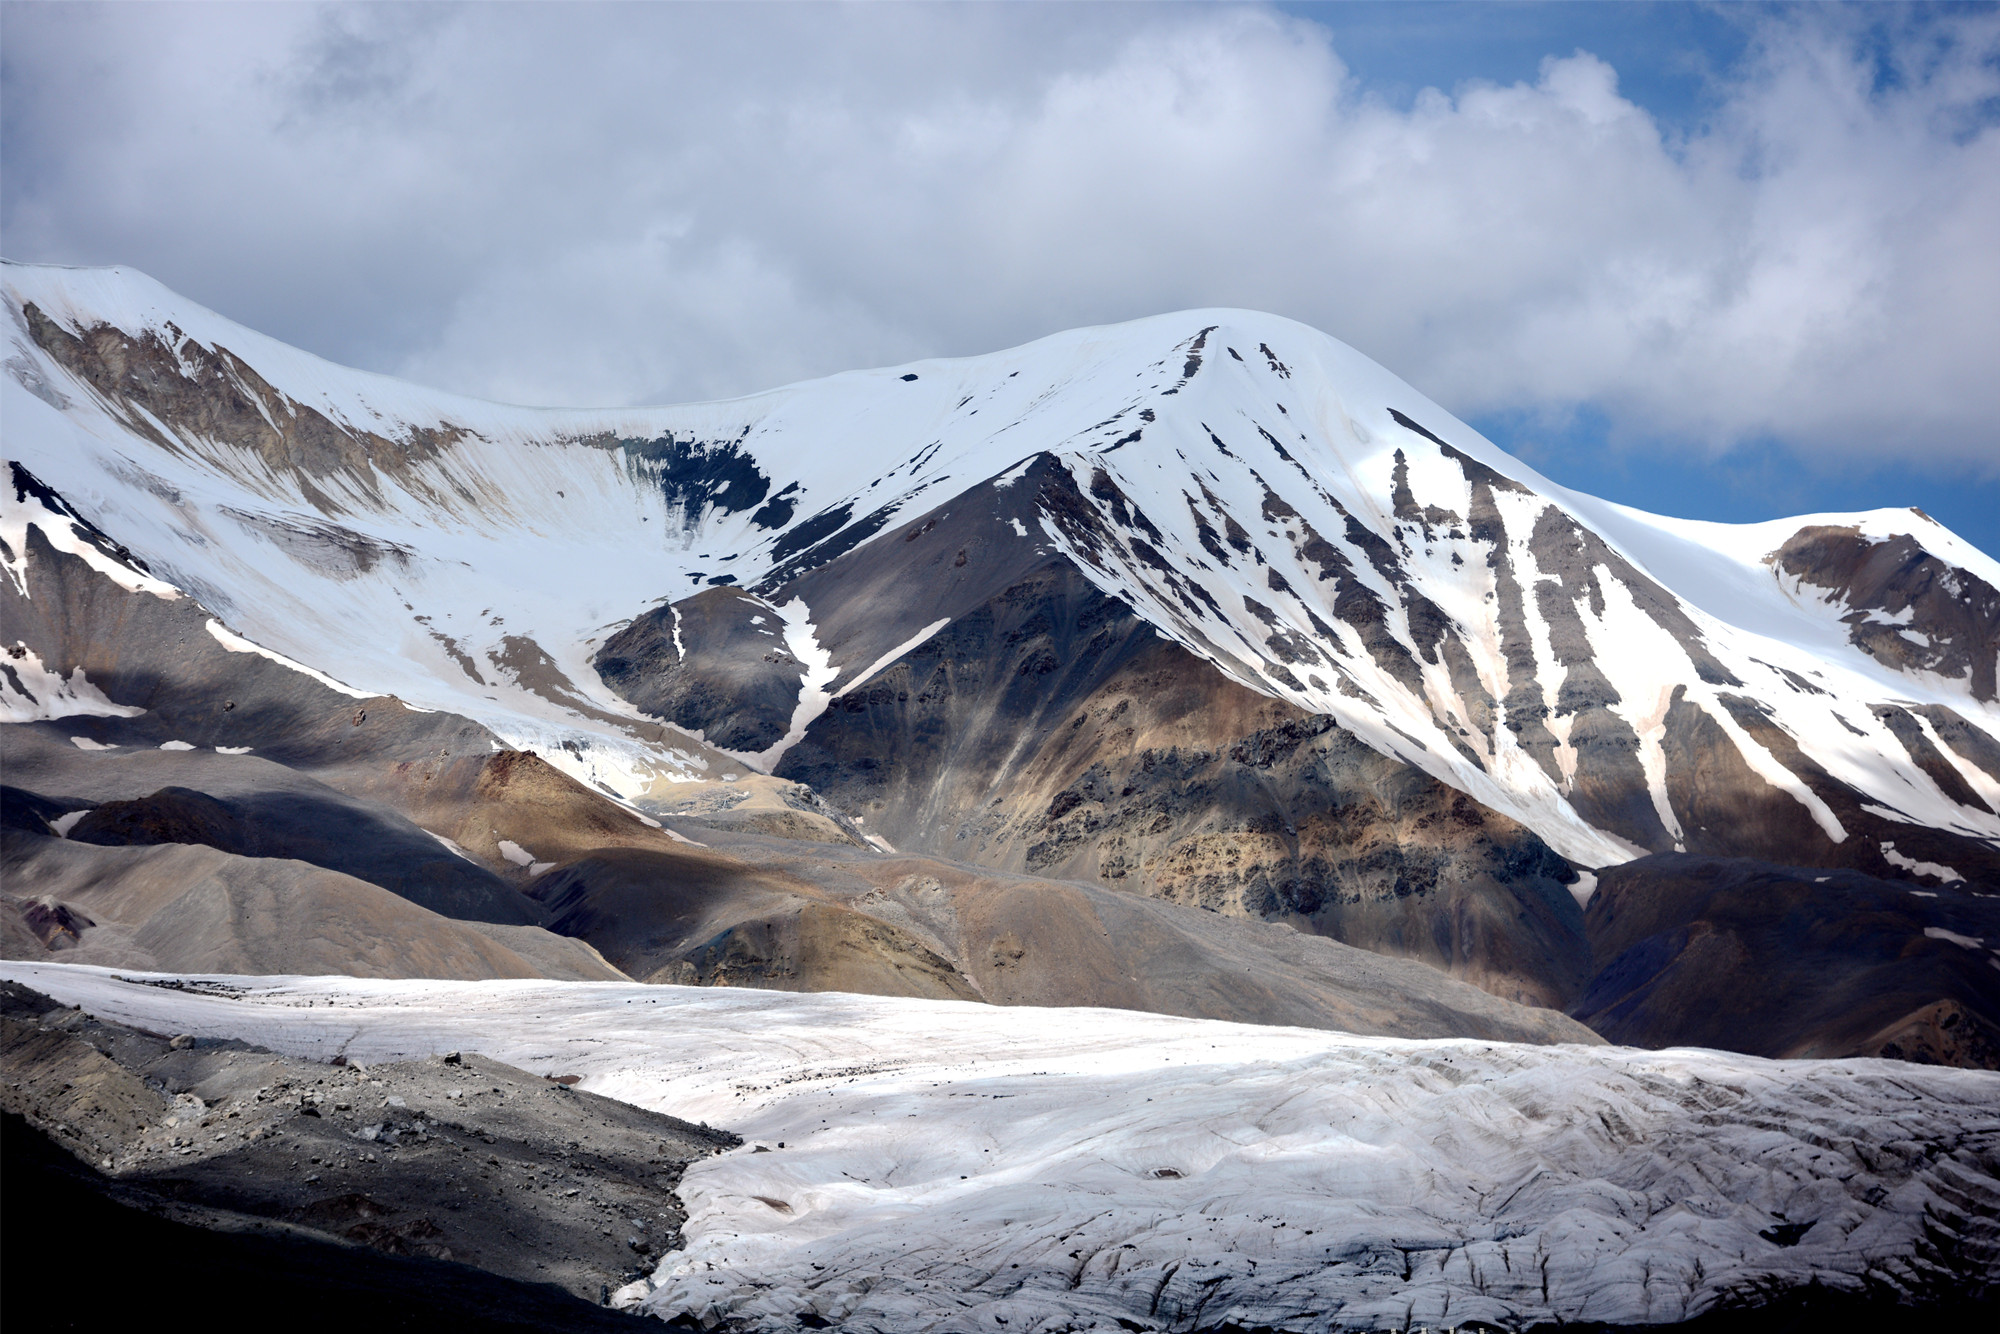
[1205, 607]
[1399, 521]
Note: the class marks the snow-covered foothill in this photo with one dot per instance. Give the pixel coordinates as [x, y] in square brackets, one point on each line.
[956, 1166]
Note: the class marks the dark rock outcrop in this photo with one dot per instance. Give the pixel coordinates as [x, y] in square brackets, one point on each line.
[737, 680]
[458, 1176]
[1792, 962]
[1906, 608]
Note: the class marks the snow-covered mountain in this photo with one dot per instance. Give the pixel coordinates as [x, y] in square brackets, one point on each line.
[1255, 491]
[900, 683]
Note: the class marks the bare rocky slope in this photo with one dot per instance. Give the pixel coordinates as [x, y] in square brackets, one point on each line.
[1792, 962]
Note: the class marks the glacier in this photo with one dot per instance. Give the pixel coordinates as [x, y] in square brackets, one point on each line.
[950, 1166]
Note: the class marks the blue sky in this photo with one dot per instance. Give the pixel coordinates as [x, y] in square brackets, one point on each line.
[1721, 261]
[1666, 55]
[1670, 59]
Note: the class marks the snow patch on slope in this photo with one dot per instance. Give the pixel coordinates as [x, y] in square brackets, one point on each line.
[236, 643]
[890, 657]
[813, 693]
[521, 857]
[1915, 867]
[31, 692]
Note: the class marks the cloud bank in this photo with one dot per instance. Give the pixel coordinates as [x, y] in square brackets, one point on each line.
[600, 205]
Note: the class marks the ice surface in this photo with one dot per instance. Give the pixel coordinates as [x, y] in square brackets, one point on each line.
[951, 1166]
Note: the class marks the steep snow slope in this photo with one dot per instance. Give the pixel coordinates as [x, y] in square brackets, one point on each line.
[1261, 493]
[937, 1165]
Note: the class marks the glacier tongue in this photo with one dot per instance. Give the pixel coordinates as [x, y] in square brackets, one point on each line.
[952, 1166]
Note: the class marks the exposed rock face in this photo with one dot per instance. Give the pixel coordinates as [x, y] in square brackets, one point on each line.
[995, 705]
[208, 393]
[1017, 717]
[1791, 962]
[736, 674]
[1730, 809]
[1905, 607]
[1052, 732]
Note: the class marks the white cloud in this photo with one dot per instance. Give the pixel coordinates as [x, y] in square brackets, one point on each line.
[604, 204]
